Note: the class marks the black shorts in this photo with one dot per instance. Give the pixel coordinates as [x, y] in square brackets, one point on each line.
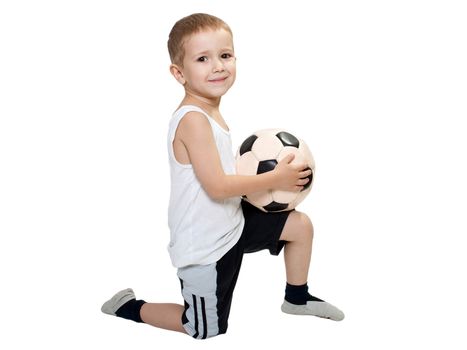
[262, 230]
[208, 289]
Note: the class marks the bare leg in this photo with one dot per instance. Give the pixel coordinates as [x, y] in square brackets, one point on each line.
[166, 316]
[298, 232]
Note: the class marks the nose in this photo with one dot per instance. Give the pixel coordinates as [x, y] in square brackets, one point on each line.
[218, 66]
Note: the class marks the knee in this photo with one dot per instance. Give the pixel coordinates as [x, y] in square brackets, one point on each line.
[297, 228]
[306, 226]
[202, 324]
[210, 333]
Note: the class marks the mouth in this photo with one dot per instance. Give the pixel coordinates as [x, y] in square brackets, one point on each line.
[217, 80]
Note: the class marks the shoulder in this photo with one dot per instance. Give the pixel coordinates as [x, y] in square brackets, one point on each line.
[194, 118]
[194, 123]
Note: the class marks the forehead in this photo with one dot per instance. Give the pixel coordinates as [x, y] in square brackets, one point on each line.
[208, 40]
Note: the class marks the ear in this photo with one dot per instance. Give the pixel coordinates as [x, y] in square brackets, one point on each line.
[176, 71]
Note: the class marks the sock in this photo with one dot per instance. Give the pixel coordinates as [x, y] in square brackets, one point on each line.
[131, 310]
[298, 295]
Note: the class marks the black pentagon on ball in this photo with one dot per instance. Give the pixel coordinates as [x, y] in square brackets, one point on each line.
[310, 177]
[247, 144]
[266, 165]
[274, 206]
[288, 139]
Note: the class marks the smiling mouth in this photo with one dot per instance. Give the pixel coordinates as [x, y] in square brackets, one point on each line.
[219, 80]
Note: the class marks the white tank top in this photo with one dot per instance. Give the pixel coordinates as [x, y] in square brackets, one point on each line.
[202, 230]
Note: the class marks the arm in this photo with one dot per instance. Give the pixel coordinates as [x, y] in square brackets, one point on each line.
[195, 132]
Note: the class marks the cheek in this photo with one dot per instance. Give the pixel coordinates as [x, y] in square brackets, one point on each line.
[232, 69]
[195, 77]
[233, 75]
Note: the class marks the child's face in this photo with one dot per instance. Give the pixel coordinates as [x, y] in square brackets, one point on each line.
[209, 64]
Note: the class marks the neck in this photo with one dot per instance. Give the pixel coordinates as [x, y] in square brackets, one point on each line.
[210, 105]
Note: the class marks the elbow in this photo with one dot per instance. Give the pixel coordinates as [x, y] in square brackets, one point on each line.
[217, 192]
[217, 195]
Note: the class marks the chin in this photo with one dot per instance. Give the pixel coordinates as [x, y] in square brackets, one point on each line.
[218, 93]
[221, 91]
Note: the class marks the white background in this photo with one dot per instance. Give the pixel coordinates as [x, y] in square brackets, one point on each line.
[376, 88]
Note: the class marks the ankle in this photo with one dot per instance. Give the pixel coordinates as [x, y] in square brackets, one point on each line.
[131, 310]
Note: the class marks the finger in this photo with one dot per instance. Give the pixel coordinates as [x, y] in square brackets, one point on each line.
[289, 158]
[303, 182]
[302, 167]
[305, 173]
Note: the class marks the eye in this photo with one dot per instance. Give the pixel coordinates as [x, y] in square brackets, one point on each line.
[202, 59]
[226, 55]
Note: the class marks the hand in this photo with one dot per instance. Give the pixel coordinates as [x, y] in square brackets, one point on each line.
[291, 177]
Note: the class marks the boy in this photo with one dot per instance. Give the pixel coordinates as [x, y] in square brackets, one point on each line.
[211, 228]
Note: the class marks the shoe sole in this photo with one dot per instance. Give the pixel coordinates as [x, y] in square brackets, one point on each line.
[320, 309]
[111, 306]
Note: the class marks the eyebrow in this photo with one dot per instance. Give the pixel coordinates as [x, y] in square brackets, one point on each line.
[208, 51]
[201, 53]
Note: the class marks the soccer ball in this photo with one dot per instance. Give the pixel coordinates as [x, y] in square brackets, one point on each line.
[260, 153]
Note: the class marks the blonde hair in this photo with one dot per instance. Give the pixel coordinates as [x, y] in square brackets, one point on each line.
[187, 26]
